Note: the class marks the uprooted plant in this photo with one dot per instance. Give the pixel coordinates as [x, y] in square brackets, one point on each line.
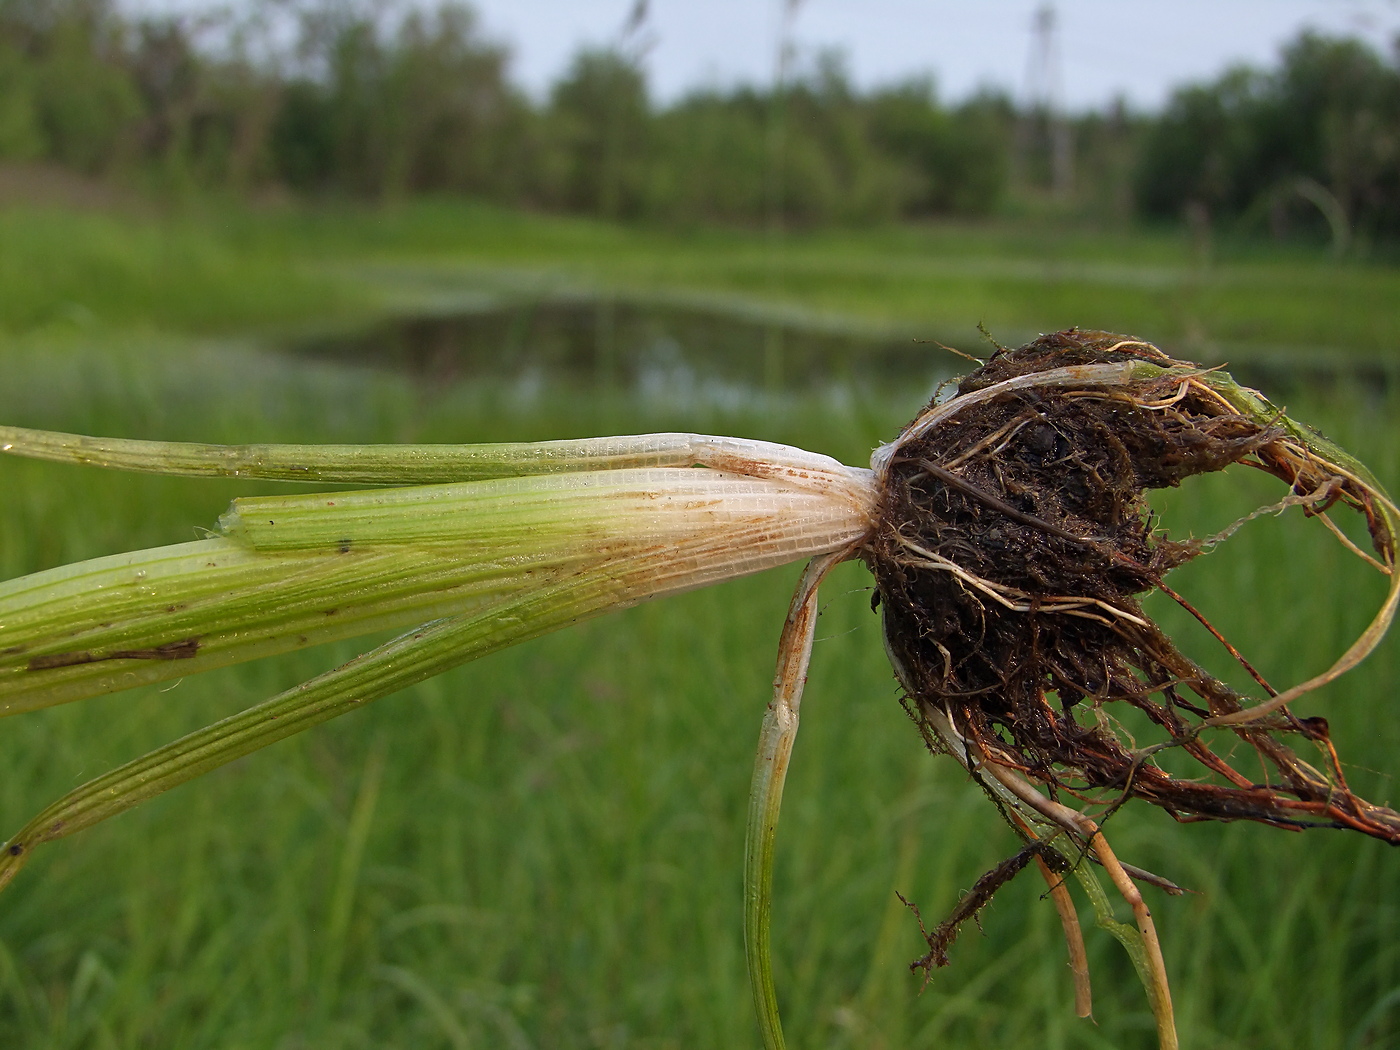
[1013, 540]
[1007, 530]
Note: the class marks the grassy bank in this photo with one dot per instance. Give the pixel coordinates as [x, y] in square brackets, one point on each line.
[215, 269]
[543, 849]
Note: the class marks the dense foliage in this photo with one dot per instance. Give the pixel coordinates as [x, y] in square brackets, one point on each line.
[350, 98]
[1315, 141]
[363, 103]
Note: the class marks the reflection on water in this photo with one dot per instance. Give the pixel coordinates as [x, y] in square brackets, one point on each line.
[647, 350]
[660, 352]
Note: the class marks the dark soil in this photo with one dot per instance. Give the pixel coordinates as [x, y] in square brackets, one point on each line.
[1015, 542]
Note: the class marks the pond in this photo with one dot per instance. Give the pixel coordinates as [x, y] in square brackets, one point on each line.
[648, 349]
[708, 355]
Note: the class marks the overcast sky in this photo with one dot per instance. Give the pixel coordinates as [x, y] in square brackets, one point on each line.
[1139, 49]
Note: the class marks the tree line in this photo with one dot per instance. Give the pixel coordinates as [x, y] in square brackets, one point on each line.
[340, 98]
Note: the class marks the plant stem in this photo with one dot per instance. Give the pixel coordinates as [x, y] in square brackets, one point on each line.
[775, 742]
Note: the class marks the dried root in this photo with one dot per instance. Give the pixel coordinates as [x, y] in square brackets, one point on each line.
[1014, 542]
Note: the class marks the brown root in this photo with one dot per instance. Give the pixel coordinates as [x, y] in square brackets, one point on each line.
[1013, 544]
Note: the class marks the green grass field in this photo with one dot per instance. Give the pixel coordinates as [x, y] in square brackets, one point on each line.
[231, 269]
[544, 849]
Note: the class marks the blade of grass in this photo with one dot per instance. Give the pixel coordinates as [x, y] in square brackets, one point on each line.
[775, 741]
[413, 464]
[347, 880]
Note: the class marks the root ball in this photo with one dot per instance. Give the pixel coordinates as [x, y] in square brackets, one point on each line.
[1015, 542]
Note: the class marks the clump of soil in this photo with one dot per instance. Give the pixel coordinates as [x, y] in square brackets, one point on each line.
[1014, 545]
